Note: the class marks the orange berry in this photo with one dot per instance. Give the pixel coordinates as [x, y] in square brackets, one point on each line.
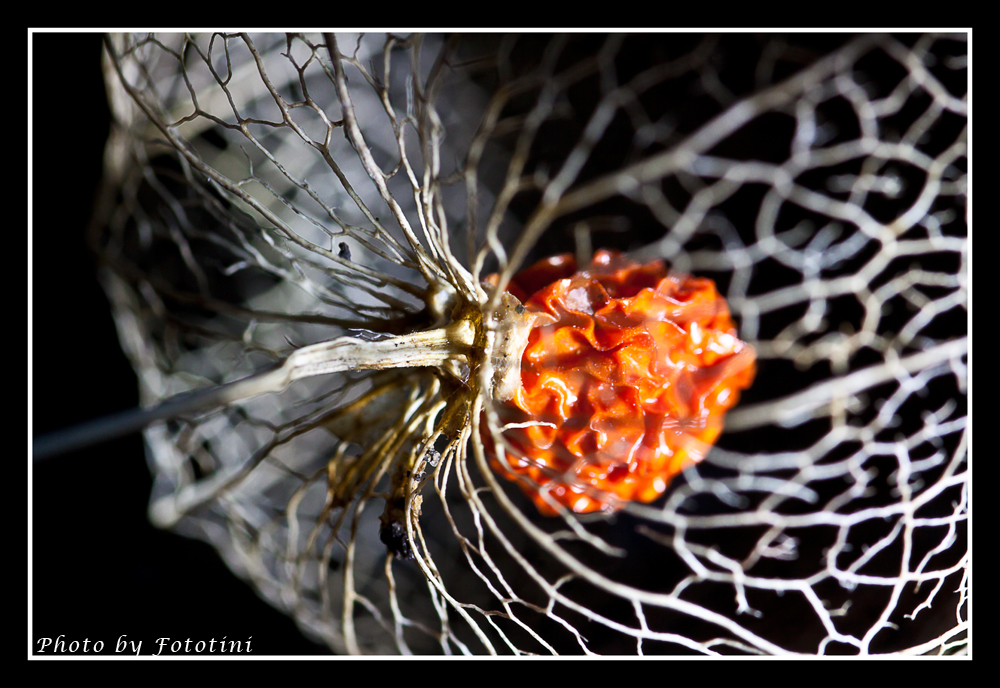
[626, 383]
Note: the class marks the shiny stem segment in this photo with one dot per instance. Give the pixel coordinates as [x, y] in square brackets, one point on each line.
[445, 348]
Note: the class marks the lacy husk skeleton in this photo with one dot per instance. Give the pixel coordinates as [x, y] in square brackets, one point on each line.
[308, 220]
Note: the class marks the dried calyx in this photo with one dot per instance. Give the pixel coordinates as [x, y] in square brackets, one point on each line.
[507, 337]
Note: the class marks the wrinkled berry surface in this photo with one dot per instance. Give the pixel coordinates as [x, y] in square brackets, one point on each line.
[624, 384]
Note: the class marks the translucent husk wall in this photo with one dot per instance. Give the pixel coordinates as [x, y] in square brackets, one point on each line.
[268, 193]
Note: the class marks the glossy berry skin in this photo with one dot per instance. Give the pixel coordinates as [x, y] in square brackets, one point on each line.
[625, 379]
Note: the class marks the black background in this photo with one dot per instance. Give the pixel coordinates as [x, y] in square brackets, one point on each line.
[99, 569]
